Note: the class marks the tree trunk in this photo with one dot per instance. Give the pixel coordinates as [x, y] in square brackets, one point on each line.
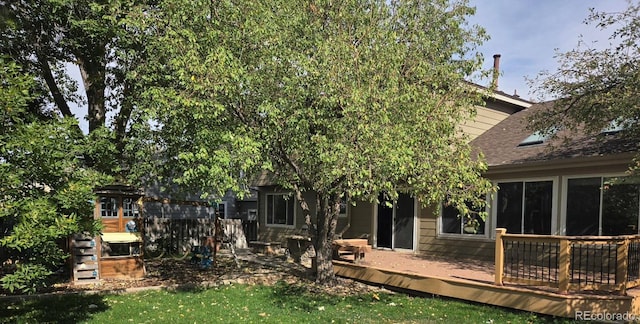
[327, 220]
[322, 233]
[93, 77]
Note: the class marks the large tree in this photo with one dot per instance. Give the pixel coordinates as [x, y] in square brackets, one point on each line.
[596, 86]
[49, 38]
[48, 167]
[45, 186]
[337, 99]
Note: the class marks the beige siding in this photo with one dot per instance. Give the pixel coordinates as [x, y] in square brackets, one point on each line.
[430, 244]
[279, 234]
[361, 220]
[485, 118]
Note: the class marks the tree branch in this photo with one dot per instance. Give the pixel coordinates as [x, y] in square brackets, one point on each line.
[58, 98]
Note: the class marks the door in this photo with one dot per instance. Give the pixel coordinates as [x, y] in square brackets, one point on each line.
[395, 224]
[385, 224]
[403, 222]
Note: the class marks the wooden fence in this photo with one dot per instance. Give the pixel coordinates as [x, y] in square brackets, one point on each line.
[568, 263]
[178, 235]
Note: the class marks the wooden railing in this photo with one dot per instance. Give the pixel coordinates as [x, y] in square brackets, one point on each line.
[568, 263]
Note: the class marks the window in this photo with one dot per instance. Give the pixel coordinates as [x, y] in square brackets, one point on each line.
[108, 207]
[603, 206]
[252, 214]
[454, 223]
[280, 210]
[111, 249]
[539, 137]
[613, 127]
[129, 207]
[525, 207]
[343, 207]
[120, 244]
[222, 210]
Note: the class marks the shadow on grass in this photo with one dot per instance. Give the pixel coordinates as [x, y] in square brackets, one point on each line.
[298, 296]
[64, 308]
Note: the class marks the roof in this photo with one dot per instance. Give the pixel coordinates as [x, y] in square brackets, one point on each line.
[498, 95]
[119, 189]
[500, 143]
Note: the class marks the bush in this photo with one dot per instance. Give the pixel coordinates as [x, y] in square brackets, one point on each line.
[27, 279]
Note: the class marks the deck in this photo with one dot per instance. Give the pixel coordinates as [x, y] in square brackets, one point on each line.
[474, 281]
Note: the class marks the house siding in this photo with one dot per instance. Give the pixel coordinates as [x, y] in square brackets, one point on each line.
[430, 244]
[178, 211]
[486, 117]
[361, 221]
[361, 216]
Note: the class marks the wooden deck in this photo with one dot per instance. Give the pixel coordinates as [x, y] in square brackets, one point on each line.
[474, 281]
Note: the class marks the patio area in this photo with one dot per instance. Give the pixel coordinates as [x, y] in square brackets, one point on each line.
[407, 262]
[473, 280]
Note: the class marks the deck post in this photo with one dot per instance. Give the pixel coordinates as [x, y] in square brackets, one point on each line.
[564, 262]
[622, 266]
[499, 256]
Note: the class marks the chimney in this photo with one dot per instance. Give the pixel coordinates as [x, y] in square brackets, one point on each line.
[496, 71]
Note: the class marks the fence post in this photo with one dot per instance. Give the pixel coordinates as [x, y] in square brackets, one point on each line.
[622, 265]
[499, 256]
[564, 262]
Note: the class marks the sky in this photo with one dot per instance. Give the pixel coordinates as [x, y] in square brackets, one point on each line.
[527, 34]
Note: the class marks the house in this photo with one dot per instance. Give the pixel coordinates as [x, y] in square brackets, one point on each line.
[162, 205]
[405, 226]
[573, 185]
[573, 193]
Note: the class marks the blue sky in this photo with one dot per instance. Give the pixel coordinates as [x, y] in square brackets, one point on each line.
[527, 34]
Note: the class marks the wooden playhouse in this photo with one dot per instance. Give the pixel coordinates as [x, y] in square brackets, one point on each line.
[117, 252]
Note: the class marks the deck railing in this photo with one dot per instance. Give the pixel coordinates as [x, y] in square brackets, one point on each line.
[568, 263]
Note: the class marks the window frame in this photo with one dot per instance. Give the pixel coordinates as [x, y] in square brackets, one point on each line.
[135, 249]
[554, 201]
[290, 199]
[134, 210]
[118, 206]
[344, 202]
[224, 209]
[565, 195]
[487, 224]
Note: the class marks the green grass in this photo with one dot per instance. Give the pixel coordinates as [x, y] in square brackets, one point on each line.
[281, 303]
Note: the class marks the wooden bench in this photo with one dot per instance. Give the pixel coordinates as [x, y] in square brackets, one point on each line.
[355, 247]
[264, 247]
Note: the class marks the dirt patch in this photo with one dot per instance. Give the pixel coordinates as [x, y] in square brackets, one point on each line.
[183, 273]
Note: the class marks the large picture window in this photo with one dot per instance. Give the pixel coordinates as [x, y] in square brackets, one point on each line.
[603, 206]
[454, 223]
[525, 207]
[280, 210]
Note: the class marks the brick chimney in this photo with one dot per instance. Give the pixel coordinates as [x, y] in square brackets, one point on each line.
[496, 71]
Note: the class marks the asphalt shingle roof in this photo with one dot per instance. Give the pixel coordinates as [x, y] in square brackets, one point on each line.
[500, 143]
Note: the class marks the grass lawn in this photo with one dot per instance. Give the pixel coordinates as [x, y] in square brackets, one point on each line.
[281, 303]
